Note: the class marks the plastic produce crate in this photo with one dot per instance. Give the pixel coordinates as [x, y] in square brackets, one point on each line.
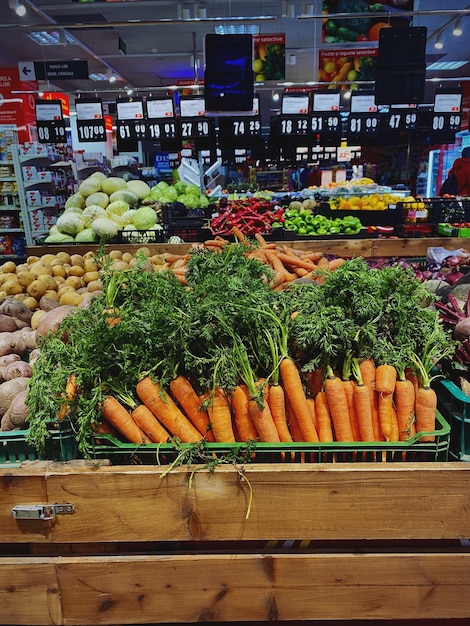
[141, 236]
[61, 445]
[119, 453]
[454, 405]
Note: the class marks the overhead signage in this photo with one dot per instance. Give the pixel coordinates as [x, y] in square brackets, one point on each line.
[192, 106]
[160, 108]
[130, 122]
[49, 121]
[326, 101]
[161, 122]
[60, 70]
[447, 102]
[90, 120]
[363, 103]
[295, 104]
[446, 118]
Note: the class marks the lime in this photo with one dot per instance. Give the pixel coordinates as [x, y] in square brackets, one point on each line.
[257, 66]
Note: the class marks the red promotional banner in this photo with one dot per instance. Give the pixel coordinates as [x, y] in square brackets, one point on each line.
[17, 109]
[269, 59]
[342, 67]
[62, 97]
[365, 28]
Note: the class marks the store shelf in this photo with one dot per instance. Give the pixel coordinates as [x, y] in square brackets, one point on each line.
[320, 542]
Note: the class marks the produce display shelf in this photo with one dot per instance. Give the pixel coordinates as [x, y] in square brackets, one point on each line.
[119, 453]
[61, 445]
[454, 404]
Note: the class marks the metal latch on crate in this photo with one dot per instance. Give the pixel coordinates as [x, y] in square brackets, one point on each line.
[41, 511]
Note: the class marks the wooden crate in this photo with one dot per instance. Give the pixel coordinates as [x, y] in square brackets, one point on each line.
[267, 542]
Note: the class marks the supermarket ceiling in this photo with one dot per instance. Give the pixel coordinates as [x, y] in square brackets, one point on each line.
[151, 44]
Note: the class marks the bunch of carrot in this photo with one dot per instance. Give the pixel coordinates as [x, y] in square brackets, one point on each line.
[285, 262]
[375, 404]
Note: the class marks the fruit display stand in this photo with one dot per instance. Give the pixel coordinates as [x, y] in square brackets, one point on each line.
[259, 543]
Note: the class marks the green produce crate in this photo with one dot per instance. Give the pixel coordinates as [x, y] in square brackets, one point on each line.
[119, 453]
[61, 445]
[454, 405]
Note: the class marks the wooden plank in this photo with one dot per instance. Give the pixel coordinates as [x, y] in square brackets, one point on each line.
[224, 588]
[411, 247]
[290, 501]
[29, 591]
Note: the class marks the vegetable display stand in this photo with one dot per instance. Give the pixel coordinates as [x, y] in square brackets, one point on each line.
[455, 405]
[83, 542]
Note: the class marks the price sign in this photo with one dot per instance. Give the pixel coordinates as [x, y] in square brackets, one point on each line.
[294, 104]
[50, 122]
[196, 128]
[447, 116]
[446, 122]
[401, 119]
[325, 122]
[291, 126]
[192, 106]
[363, 124]
[159, 130]
[326, 101]
[130, 123]
[90, 120]
[246, 127]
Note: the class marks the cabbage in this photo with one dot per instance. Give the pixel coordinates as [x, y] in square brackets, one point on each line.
[139, 187]
[192, 189]
[100, 198]
[125, 195]
[74, 209]
[90, 213]
[99, 175]
[129, 227]
[75, 200]
[161, 186]
[144, 218]
[104, 228]
[89, 185]
[203, 201]
[118, 219]
[69, 223]
[190, 201]
[87, 234]
[128, 216]
[118, 207]
[180, 187]
[58, 238]
[112, 184]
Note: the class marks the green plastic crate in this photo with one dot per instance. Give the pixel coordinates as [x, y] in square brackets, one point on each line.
[119, 453]
[61, 445]
[454, 405]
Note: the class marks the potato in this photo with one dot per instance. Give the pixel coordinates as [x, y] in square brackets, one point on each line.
[30, 337]
[59, 281]
[32, 259]
[89, 255]
[36, 317]
[75, 281]
[25, 278]
[95, 285]
[63, 257]
[31, 303]
[7, 323]
[59, 270]
[11, 287]
[72, 298]
[118, 266]
[90, 265]
[20, 296]
[76, 270]
[48, 280]
[88, 277]
[10, 343]
[8, 267]
[143, 250]
[52, 294]
[127, 257]
[64, 288]
[47, 304]
[34, 355]
[37, 289]
[48, 257]
[41, 267]
[16, 415]
[76, 259]
[115, 254]
[50, 321]
[9, 358]
[15, 308]
[17, 369]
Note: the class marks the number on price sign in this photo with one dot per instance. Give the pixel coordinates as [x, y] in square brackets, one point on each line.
[51, 131]
[294, 126]
[89, 131]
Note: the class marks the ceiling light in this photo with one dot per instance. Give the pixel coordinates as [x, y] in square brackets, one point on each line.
[237, 29]
[98, 76]
[52, 38]
[458, 30]
[446, 65]
[439, 43]
[18, 7]
[110, 75]
[276, 96]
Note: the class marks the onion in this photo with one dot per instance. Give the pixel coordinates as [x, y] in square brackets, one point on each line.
[453, 277]
[452, 261]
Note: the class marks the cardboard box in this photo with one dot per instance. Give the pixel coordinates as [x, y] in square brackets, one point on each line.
[30, 172]
[48, 200]
[33, 197]
[45, 176]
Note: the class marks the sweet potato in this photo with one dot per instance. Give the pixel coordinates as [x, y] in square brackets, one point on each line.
[34, 355]
[7, 323]
[15, 308]
[30, 337]
[9, 358]
[47, 304]
[17, 369]
[50, 321]
[9, 389]
[16, 416]
[12, 343]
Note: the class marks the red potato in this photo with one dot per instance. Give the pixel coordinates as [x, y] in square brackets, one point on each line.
[50, 321]
[9, 358]
[16, 415]
[17, 369]
[9, 389]
[12, 343]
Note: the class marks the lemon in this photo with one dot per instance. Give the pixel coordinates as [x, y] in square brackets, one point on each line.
[260, 78]
[257, 66]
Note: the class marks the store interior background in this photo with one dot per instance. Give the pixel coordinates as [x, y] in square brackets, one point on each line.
[144, 47]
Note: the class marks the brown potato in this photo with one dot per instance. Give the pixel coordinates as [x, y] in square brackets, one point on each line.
[76, 270]
[76, 259]
[37, 289]
[75, 281]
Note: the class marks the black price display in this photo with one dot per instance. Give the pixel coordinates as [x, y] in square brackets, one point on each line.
[50, 122]
[402, 120]
[196, 128]
[446, 122]
[325, 122]
[246, 127]
[363, 124]
[90, 120]
[291, 126]
[130, 124]
[162, 129]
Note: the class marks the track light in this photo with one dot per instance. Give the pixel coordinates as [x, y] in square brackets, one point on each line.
[439, 43]
[110, 76]
[457, 30]
[18, 7]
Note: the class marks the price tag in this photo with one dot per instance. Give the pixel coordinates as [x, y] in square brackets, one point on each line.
[328, 101]
[130, 123]
[90, 120]
[399, 120]
[160, 108]
[293, 125]
[162, 129]
[246, 127]
[196, 128]
[446, 122]
[325, 122]
[192, 106]
[295, 104]
[50, 122]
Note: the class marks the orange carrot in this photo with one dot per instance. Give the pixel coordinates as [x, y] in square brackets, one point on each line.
[325, 430]
[338, 405]
[313, 412]
[263, 420]
[220, 416]
[404, 397]
[335, 263]
[364, 412]
[277, 266]
[172, 258]
[241, 415]
[119, 417]
[105, 428]
[296, 262]
[385, 379]
[184, 394]
[149, 424]
[292, 422]
[238, 234]
[260, 239]
[395, 433]
[348, 386]
[293, 389]
[165, 410]
[112, 315]
[277, 404]
[68, 395]
[367, 369]
[425, 409]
